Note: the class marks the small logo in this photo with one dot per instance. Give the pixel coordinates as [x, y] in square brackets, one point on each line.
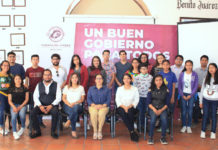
[56, 34]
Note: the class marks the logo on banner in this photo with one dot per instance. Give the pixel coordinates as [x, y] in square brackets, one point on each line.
[55, 34]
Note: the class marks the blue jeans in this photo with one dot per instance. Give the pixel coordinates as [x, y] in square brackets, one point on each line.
[163, 119]
[209, 106]
[73, 114]
[142, 107]
[172, 106]
[4, 106]
[187, 109]
[22, 114]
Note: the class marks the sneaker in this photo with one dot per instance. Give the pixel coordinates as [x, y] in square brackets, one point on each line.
[16, 136]
[20, 132]
[150, 141]
[212, 135]
[203, 135]
[77, 124]
[6, 131]
[88, 127]
[159, 130]
[135, 126]
[183, 129]
[163, 141]
[189, 130]
[134, 136]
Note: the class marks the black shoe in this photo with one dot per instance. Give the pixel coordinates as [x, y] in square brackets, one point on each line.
[134, 136]
[54, 135]
[37, 134]
[42, 125]
[150, 141]
[163, 141]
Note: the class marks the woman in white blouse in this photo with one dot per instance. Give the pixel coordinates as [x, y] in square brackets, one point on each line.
[127, 98]
[209, 100]
[73, 96]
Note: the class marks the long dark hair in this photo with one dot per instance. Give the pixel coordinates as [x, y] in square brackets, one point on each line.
[147, 63]
[153, 85]
[187, 61]
[70, 80]
[72, 66]
[208, 76]
[8, 72]
[131, 68]
[128, 75]
[157, 63]
[13, 82]
[92, 67]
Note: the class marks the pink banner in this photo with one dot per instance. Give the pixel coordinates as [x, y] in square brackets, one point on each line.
[92, 38]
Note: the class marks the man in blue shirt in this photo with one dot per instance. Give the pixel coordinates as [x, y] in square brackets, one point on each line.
[15, 68]
[122, 66]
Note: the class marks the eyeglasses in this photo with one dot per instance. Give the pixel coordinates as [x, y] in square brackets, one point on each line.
[57, 73]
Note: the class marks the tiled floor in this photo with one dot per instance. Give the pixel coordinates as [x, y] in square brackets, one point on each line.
[120, 142]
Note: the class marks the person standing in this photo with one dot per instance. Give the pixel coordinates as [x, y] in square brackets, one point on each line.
[122, 66]
[209, 100]
[33, 76]
[15, 68]
[177, 69]
[158, 66]
[5, 82]
[134, 70]
[94, 69]
[170, 81]
[201, 72]
[110, 70]
[143, 59]
[187, 86]
[78, 67]
[59, 73]
[143, 83]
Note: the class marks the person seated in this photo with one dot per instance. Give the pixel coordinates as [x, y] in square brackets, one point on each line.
[18, 97]
[47, 96]
[99, 98]
[127, 99]
[73, 96]
[158, 99]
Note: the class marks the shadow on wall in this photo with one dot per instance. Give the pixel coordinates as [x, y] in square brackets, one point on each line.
[108, 7]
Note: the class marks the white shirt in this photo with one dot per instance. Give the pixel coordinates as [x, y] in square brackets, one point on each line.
[127, 97]
[73, 94]
[209, 92]
[187, 83]
[36, 94]
[59, 75]
[177, 71]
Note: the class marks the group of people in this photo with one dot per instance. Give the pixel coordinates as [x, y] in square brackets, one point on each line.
[139, 88]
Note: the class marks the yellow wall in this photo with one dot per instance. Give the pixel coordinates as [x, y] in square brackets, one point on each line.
[110, 7]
